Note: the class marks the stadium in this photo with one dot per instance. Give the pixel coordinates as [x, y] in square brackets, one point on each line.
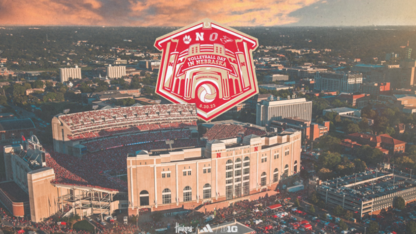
[144, 157]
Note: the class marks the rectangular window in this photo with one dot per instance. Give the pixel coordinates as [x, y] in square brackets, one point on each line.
[184, 173]
[238, 173]
[276, 156]
[246, 171]
[209, 170]
[229, 174]
[189, 172]
[166, 174]
[286, 152]
[205, 171]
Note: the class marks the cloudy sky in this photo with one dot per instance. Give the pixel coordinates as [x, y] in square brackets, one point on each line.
[229, 12]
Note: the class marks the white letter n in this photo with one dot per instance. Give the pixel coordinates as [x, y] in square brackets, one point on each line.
[199, 36]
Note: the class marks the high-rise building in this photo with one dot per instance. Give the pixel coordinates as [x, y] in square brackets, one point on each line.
[66, 73]
[116, 71]
[276, 109]
[342, 82]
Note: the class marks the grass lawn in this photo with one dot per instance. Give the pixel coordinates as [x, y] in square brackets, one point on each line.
[84, 226]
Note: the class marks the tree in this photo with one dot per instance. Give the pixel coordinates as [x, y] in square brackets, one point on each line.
[411, 227]
[325, 173]
[297, 203]
[359, 165]
[399, 203]
[312, 209]
[338, 211]
[3, 100]
[411, 150]
[314, 198]
[343, 225]
[404, 161]
[373, 228]
[38, 84]
[348, 215]
[370, 154]
[329, 160]
[330, 143]
[352, 128]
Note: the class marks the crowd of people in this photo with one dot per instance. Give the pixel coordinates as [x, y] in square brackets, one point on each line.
[142, 127]
[224, 131]
[102, 144]
[124, 115]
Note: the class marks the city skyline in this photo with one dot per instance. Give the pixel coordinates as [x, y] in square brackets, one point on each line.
[240, 13]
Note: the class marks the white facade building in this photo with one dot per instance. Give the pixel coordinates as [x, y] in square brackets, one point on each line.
[116, 71]
[66, 73]
[276, 109]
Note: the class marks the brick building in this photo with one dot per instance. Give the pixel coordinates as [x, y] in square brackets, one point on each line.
[383, 141]
[310, 131]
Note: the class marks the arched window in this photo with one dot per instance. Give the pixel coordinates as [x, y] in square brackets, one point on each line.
[187, 194]
[207, 191]
[246, 162]
[166, 196]
[263, 179]
[237, 163]
[229, 165]
[295, 167]
[275, 175]
[286, 171]
[144, 198]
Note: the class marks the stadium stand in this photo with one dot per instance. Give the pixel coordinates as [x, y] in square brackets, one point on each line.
[90, 124]
[97, 169]
[225, 131]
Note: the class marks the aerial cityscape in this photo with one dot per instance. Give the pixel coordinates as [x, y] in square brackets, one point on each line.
[143, 123]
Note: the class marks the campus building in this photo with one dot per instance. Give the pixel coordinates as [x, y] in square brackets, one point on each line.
[116, 71]
[66, 73]
[342, 82]
[276, 109]
[310, 131]
[368, 192]
[222, 170]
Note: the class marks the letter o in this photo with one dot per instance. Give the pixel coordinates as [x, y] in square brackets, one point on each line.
[213, 36]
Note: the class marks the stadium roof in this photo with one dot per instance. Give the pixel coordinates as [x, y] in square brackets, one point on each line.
[16, 124]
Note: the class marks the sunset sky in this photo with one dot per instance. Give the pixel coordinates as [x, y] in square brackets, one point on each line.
[229, 12]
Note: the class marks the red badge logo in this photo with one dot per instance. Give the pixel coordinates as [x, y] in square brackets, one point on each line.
[207, 64]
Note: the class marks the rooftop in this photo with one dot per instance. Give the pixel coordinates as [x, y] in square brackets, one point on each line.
[14, 192]
[341, 109]
[367, 185]
[16, 124]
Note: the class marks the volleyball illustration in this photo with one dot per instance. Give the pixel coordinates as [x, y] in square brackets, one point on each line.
[207, 93]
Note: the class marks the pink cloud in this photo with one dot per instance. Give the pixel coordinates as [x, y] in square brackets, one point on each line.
[148, 13]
